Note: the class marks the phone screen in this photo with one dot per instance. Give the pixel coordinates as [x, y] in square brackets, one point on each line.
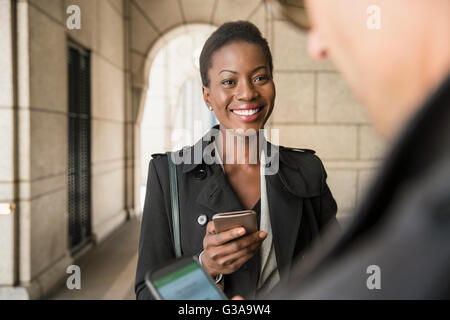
[187, 283]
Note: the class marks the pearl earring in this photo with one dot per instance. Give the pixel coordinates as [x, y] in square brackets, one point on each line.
[210, 108]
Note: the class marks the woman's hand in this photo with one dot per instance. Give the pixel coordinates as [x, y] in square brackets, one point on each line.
[223, 253]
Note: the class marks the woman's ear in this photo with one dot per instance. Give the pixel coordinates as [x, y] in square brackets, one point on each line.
[206, 96]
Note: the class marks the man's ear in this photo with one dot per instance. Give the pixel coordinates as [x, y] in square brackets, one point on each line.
[206, 96]
[316, 47]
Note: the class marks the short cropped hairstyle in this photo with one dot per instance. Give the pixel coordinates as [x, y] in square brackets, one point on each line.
[227, 33]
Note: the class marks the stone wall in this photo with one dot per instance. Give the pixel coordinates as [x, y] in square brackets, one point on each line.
[315, 109]
[39, 135]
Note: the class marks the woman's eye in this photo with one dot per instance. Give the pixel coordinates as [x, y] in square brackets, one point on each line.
[228, 82]
[261, 78]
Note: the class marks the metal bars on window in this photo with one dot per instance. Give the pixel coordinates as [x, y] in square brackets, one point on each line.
[79, 173]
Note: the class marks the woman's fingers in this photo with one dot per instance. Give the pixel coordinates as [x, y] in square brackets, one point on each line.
[237, 264]
[217, 239]
[240, 244]
[226, 236]
[224, 253]
[210, 229]
[247, 251]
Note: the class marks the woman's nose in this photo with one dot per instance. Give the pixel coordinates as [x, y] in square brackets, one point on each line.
[246, 91]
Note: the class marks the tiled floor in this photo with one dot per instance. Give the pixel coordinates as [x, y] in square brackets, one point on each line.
[108, 270]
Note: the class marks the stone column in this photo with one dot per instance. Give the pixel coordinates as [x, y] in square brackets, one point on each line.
[8, 271]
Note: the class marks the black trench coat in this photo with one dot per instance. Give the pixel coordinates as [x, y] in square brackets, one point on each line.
[300, 205]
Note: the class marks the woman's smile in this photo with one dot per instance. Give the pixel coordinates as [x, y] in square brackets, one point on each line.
[248, 113]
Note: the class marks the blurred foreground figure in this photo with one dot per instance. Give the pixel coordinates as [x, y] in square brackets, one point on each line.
[395, 56]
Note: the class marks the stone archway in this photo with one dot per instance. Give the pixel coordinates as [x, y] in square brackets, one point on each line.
[151, 25]
[173, 104]
[154, 23]
[314, 107]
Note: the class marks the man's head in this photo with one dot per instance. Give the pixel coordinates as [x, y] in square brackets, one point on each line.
[391, 69]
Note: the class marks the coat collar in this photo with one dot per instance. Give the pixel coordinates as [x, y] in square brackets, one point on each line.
[288, 171]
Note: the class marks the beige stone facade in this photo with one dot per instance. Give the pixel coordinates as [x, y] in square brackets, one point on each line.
[314, 109]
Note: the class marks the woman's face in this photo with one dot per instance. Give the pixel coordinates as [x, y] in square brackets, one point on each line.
[241, 90]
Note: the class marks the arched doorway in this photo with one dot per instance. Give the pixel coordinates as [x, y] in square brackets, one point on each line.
[174, 104]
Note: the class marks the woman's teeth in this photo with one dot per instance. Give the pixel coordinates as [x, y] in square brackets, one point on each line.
[247, 112]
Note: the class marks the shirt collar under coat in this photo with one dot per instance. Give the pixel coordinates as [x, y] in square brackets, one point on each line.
[295, 179]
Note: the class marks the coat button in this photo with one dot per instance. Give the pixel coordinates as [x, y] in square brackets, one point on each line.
[202, 219]
[200, 174]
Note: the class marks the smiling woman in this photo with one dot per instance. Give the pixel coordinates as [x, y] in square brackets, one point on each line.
[241, 96]
[293, 206]
[236, 70]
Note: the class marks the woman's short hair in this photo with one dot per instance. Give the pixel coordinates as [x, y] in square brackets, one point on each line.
[227, 33]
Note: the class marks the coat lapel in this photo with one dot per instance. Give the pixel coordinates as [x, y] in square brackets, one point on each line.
[285, 216]
[217, 193]
[285, 192]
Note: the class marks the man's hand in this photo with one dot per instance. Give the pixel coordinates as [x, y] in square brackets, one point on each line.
[224, 253]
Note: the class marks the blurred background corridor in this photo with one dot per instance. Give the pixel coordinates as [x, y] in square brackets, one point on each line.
[82, 110]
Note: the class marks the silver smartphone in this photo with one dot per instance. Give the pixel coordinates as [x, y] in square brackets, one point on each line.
[229, 220]
[182, 279]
